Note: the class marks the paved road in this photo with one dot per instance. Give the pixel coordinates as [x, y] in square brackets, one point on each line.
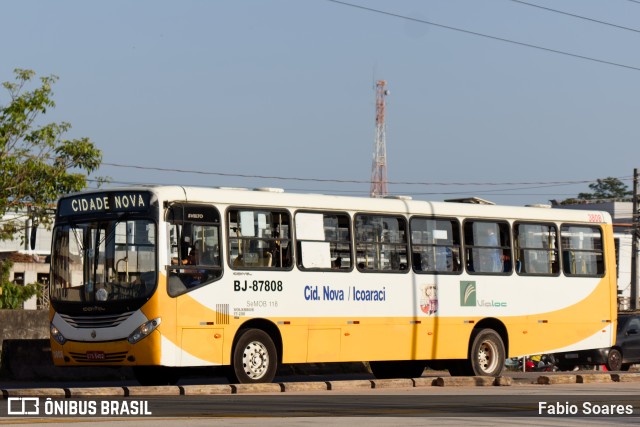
[355, 404]
[482, 406]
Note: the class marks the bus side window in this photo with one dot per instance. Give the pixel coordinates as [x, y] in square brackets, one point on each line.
[324, 241]
[259, 238]
[488, 247]
[536, 249]
[381, 243]
[435, 245]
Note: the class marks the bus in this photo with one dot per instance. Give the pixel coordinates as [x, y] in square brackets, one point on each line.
[161, 278]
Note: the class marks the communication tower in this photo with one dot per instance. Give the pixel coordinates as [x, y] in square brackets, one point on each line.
[379, 164]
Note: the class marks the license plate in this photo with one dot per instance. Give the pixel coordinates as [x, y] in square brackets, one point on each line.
[95, 355]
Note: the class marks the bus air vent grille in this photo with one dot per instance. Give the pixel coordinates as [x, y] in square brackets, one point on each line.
[95, 322]
[222, 314]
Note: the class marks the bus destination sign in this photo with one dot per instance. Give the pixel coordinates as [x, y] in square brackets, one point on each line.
[120, 201]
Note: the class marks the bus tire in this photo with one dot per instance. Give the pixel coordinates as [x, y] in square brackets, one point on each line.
[156, 375]
[397, 369]
[487, 353]
[255, 359]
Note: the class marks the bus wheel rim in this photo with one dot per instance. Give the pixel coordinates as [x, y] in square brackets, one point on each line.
[255, 360]
[487, 356]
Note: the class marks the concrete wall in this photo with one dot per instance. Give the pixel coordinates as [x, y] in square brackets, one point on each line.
[24, 324]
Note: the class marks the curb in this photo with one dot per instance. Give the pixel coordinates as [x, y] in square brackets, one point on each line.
[625, 378]
[94, 391]
[503, 381]
[200, 390]
[424, 382]
[165, 390]
[393, 383]
[256, 388]
[193, 390]
[464, 381]
[305, 386]
[593, 378]
[349, 384]
[556, 379]
[34, 392]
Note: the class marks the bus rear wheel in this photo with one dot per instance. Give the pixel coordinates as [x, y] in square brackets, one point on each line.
[487, 353]
[397, 369]
[255, 359]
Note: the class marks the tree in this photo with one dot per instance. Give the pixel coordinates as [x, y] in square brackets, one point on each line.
[37, 165]
[607, 188]
[11, 295]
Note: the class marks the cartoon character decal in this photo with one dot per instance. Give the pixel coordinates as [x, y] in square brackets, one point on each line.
[429, 299]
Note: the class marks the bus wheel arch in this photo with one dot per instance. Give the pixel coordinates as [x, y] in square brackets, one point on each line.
[256, 353]
[488, 348]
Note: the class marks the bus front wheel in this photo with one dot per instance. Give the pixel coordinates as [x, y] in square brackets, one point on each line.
[487, 353]
[255, 359]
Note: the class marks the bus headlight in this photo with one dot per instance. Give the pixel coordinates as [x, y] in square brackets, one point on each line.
[57, 335]
[143, 330]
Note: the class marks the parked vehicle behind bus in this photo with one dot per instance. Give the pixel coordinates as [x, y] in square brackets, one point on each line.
[619, 357]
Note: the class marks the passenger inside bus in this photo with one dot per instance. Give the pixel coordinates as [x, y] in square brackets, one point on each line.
[337, 263]
[210, 256]
[191, 277]
[192, 257]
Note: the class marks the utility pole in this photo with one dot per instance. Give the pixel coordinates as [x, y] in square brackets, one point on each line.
[379, 165]
[634, 244]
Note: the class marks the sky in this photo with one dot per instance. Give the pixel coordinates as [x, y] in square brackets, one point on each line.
[281, 93]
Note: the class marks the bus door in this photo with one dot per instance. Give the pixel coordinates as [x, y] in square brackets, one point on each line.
[194, 267]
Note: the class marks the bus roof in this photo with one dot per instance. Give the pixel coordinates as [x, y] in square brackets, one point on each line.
[275, 197]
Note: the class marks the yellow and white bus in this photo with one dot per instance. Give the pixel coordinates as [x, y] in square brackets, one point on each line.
[163, 277]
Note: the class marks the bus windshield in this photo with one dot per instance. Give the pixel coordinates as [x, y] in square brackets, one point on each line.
[101, 261]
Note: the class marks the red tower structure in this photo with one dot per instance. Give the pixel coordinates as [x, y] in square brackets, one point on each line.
[379, 164]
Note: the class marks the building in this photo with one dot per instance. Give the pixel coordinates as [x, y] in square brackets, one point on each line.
[29, 265]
